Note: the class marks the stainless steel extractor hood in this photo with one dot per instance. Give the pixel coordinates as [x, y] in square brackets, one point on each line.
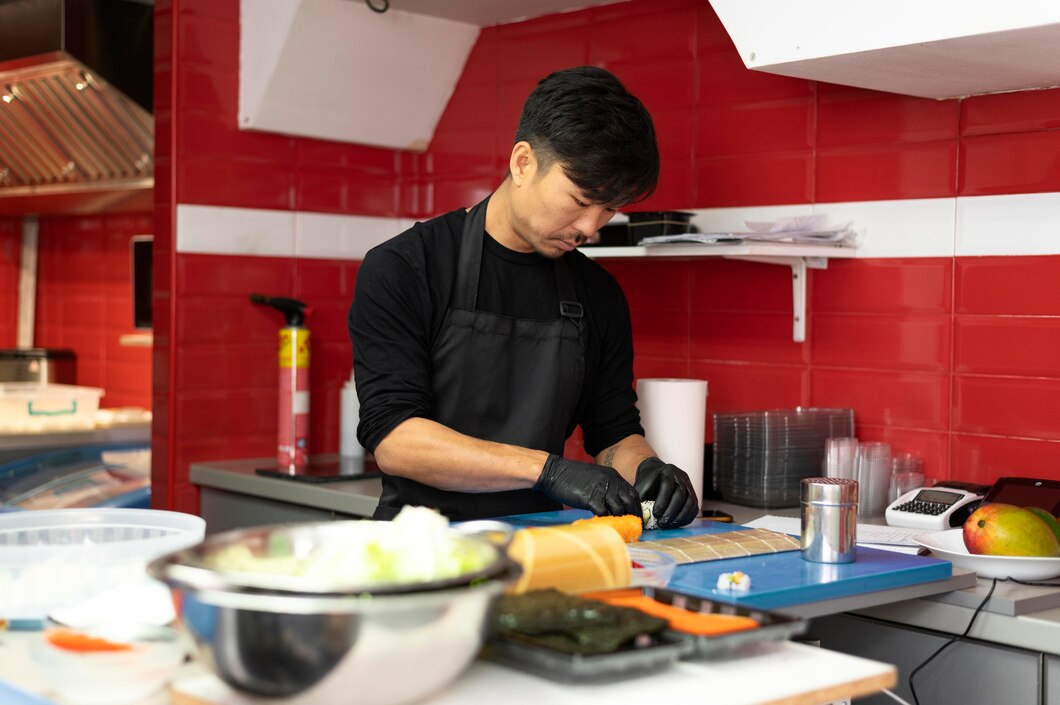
[76, 132]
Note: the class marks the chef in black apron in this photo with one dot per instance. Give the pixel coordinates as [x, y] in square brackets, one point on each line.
[503, 390]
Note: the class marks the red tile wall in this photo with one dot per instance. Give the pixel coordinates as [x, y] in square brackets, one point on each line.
[84, 301]
[945, 357]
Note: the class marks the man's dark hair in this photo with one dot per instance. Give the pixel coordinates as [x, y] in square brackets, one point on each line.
[601, 134]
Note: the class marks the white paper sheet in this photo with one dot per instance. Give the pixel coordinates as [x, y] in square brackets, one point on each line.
[889, 538]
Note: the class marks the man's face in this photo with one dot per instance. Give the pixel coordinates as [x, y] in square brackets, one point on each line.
[551, 216]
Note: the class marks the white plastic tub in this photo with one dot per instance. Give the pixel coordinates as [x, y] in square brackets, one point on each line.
[30, 407]
[51, 559]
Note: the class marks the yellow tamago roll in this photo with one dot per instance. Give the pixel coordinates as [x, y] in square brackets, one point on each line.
[570, 558]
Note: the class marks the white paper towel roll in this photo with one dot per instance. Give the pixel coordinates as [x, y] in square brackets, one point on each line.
[674, 414]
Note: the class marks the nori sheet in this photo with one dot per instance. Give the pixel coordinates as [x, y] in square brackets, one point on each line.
[572, 624]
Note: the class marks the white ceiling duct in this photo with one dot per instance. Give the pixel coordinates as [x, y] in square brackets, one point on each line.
[335, 69]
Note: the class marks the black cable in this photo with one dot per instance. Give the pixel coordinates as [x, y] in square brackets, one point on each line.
[1036, 583]
[380, 10]
[951, 641]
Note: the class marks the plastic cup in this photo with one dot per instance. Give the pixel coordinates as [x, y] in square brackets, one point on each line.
[906, 474]
[873, 465]
[839, 457]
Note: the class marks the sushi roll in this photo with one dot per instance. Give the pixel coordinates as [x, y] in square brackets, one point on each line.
[627, 526]
[647, 508]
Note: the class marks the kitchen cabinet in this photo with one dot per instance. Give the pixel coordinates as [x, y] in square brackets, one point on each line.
[234, 496]
[224, 511]
[798, 257]
[1052, 681]
[969, 672]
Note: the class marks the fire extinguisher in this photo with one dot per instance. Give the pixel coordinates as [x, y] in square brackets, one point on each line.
[293, 431]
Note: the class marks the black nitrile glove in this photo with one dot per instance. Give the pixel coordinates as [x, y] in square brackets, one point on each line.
[676, 503]
[597, 488]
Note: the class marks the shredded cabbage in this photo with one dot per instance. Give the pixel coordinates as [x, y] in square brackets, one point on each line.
[416, 546]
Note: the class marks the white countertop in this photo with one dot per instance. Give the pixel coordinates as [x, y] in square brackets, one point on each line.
[782, 673]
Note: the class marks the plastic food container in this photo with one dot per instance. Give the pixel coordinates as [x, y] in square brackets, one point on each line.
[30, 407]
[148, 660]
[651, 568]
[58, 558]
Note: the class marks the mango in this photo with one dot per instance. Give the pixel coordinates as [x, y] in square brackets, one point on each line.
[1048, 519]
[998, 529]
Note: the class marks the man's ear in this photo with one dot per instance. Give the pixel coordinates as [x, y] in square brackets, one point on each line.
[523, 163]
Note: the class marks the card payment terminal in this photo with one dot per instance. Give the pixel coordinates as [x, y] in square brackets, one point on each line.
[933, 508]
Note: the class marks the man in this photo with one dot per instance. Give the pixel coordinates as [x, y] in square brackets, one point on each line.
[482, 338]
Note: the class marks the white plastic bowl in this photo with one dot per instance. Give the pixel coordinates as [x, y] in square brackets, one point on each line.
[51, 559]
[111, 677]
[949, 545]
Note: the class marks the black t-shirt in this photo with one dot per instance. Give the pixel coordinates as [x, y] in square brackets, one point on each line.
[404, 287]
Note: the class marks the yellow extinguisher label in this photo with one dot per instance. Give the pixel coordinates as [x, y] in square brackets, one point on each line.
[294, 347]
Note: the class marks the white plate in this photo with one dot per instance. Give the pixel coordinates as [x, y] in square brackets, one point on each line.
[949, 545]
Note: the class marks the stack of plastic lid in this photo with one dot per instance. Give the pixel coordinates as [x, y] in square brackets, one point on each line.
[760, 457]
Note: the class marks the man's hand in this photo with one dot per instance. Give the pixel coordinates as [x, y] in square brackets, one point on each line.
[599, 489]
[676, 503]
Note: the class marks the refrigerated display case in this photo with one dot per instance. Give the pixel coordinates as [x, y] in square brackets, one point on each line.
[111, 475]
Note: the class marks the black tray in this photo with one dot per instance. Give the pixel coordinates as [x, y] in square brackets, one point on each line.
[772, 626]
[318, 471]
[653, 654]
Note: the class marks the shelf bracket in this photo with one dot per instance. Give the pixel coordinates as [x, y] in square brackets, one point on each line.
[798, 265]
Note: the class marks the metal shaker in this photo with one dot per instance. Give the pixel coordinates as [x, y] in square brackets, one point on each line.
[829, 519]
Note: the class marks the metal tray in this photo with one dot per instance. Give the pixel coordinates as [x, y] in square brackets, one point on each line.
[772, 626]
[656, 653]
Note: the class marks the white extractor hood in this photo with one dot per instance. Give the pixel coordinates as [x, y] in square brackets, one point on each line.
[934, 49]
[334, 69]
[337, 70]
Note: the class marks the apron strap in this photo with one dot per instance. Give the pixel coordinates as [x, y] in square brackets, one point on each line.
[568, 298]
[470, 265]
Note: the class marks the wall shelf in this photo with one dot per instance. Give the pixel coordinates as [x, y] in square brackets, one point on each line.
[798, 257]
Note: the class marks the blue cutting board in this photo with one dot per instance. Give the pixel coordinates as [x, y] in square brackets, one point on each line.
[778, 579]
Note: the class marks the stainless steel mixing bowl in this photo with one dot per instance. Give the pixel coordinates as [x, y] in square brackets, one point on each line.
[330, 648]
[198, 566]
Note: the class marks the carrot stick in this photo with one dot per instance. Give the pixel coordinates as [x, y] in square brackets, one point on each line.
[77, 641]
[682, 620]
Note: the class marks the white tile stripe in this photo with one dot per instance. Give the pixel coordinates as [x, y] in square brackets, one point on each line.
[1020, 224]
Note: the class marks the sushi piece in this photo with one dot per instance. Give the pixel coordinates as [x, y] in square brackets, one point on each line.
[736, 581]
[647, 508]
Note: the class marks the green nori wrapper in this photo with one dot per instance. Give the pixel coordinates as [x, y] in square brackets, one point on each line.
[572, 624]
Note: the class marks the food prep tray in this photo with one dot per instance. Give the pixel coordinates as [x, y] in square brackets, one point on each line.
[772, 626]
[648, 654]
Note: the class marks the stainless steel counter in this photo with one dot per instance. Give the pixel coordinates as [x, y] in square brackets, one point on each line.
[355, 497]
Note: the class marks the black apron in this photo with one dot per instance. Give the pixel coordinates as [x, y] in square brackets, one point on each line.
[500, 379]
